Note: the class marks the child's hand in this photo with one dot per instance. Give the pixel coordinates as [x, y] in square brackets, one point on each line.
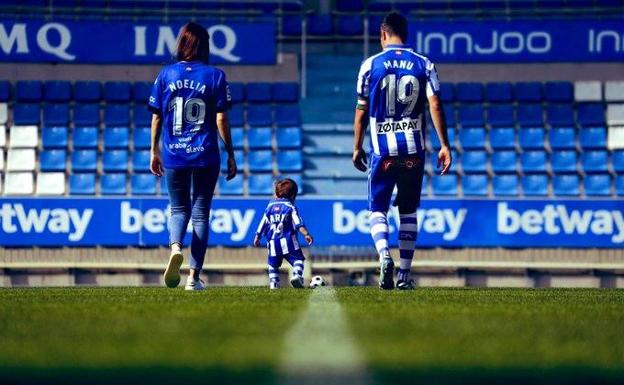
[256, 241]
[309, 239]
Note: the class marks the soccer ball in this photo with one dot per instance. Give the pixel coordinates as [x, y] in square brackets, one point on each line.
[317, 281]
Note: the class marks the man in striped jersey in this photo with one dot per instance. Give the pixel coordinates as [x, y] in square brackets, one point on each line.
[280, 224]
[393, 88]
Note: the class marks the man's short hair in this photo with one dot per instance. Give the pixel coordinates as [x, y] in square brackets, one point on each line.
[395, 24]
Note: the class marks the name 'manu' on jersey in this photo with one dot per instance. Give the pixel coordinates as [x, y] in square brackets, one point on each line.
[280, 224]
[395, 85]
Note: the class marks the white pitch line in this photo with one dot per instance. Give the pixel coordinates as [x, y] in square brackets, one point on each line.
[319, 348]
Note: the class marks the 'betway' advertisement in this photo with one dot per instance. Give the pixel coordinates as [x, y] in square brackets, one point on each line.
[443, 223]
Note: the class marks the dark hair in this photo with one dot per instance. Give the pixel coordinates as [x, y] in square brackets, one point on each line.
[395, 24]
[286, 188]
[193, 43]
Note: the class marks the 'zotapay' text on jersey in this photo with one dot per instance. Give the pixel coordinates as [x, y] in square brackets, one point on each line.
[280, 224]
[395, 85]
[188, 95]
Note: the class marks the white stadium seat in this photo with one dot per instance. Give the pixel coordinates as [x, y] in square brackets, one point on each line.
[615, 114]
[18, 183]
[588, 91]
[21, 160]
[0, 183]
[615, 138]
[24, 137]
[2, 135]
[51, 183]
[4, 113]
[614, 91]
[1, 159]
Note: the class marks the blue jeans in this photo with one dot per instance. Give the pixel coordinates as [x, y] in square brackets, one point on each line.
[194, 205]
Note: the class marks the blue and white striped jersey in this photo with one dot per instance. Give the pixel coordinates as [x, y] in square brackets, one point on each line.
[280, 224]
[395, 85]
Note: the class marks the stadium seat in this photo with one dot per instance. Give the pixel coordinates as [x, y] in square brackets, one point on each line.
[502, 138]
[593, 138]
[115, 160]
[472, 161]
[597, 185]
[52, 160]
[472, 138]
[19, 183]
[501, 115]
[535, 185]
[566, 185]
[117, 115]
[619, 185]
[434, 141]
[499, 92]
[447, 92]
[590, 115]
[24, 137]
[350, 25]
[503, 162]
[614, 91]
[444, 185]
[595, 161]
[328, 143]
[143, 184]
[261, 184]
[260, 161]
[563, 162]
[617, 161]
[505, 185]
[163, 186]
[531, 138]
[29, 91]
[239, 156]
[82, 184]
[237, 116]
[141, 138]
[56, 115]
[258, 92]
[84, 161]
[288, 138]
[141, 116]
[349, 5]
[51, 183]
[237, 92]
[87, 92]
[5, 91]
[469, 92]
[4, 113]
[86, 115]
[85, 137]
[615, 114]
[533, 162]
[288, 116]
[57, 91]
[285, 92]
[588, 91]
[560, 115]
[449, 113]
[113, 184]
[320, 25]
[471, 115]
[116, 137]
[238, 137]
[26, 114]
[54, 137]
[141, 161]
[260, 116]
[21, 159]
[259, 138]
[559, 92]
[117, 92]
[562, 138]
[475, 185]
[289, 161]
[232, 187]
[528, 92]
[141, 92]
[291, 25]
[530, 115]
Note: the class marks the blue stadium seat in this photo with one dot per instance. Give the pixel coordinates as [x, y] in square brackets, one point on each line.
[566, 185]
[590, 115]
[232, 187]
[473, 161]
[471, 115]
[117, 92]
[5, 91]
[260, 184]
[597, 185]
[424, 189]
[238, 137]
[143, 184]
[595, 161]
[560, 115]
[499, 92]
[350, 25]
[502, 138]
[562, 138]
[89, 91]
[141, 92]
[449, 113]
[141, 137]
[535, 185]
[447, 92]
[113, 184]
[320, 25]
[505, 185]
[619, 185]
[285, 92]
[56, 115]
[115, 160]
[260, 161]
[503, 162]
[435, 142]
[289, 161]
[533, 162]
[57, 91]
[528, 92]
[82, 184]
[475, 185]
[531, 138]
[141, 161]
[84, 161]
[593, 138]
[259, 92]
[501, 115]
[239, 156]
[291, 25]
[469, 92]
[85, 137]
[86, 115]
[260, 116]
[349, 5]
[444, 184]
[259, 138]
[29, 91]
[563, 162]
[559, 92]
[530, 115]
[289, 137]
[237, 92]
[116, 137]
[54, 137]
[617, 160]
[472, 138]
[26, 114]
[117, 115]
[237, 116]
[288, 116]
[52, 160]
[141, 116]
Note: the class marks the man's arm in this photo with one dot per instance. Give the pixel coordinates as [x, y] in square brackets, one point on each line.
[439, 122]
[223, 126]
[360, 124]
[156, 166]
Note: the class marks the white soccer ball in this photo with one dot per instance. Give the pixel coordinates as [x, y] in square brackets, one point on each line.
[317, 281]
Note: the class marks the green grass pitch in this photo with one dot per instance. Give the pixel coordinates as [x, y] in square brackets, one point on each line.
[236, 335]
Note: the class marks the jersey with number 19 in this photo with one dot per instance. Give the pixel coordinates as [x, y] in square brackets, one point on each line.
[394, 85]
[188, 95]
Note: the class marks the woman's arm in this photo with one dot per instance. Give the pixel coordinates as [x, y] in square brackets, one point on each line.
[156, 165]
[223, 125]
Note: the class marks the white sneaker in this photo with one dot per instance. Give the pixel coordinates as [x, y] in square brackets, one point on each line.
[273, 285]
[172, 273]
[296, 282]
[192, 284]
